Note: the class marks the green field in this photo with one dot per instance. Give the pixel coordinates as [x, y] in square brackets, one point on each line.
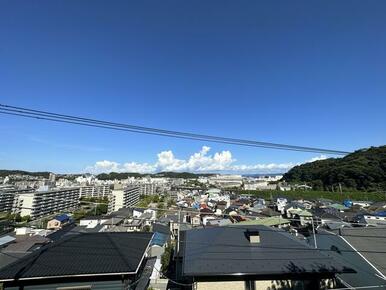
[313, 194]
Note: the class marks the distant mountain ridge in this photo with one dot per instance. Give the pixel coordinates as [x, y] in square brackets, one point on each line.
[108, 176]
[364, 169]
[4, 172]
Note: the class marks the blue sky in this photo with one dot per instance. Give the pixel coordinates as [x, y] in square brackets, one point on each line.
[310, 73]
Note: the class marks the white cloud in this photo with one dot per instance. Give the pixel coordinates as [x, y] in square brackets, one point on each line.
[321, 157]
[106, 165]
[200, 161]
[138, 167]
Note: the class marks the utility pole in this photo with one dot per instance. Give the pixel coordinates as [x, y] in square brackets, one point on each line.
[178, 232]
[313, 232]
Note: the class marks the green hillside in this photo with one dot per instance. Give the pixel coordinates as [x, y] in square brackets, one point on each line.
[362, 170]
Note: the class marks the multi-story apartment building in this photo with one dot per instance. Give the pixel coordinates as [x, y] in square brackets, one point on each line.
[122, 197]
[98, 191]
[41, 203]
[148, 188]
[226, 181]
[7, 197]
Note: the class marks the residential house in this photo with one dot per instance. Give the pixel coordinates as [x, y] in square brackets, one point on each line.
[255, 257]
[276, 221]
[58, 222]
[280, 204]
[303, 216]
[86, 261]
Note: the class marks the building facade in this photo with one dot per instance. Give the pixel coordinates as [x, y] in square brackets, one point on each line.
[7, 197]
[41, 203]
[148, 188]
[98, 191]
[122, 197]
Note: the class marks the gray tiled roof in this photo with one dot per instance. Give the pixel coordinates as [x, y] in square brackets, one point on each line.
[25, 242]
[368, 241]
[84, 254]
[225, 251]
[343, 252]
[145, 276]
[6, 258]
[84, 229]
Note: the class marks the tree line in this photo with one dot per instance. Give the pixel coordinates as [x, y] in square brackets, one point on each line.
[364, 169]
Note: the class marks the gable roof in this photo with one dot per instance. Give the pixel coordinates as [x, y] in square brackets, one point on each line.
[220, 252]
[25, 242]
[6, 239]
[159, 239]
[338, 206]
[169, 218]
[268, 221]
[161, 228]
[62, 218]
[95, 254]
[342, 251]
[368, 241]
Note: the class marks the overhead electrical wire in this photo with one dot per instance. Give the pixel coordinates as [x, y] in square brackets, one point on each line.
[49, 116]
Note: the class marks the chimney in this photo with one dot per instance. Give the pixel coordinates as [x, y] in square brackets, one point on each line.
[253, 236]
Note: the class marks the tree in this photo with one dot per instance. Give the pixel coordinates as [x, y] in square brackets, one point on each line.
[146, 228]
[362, 170]
[26, 218]
[171, 202]
[17, 218]
[160, 212]
[101, 209]
[165, 258]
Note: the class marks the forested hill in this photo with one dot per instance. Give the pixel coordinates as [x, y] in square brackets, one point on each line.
[4, 172]
[362, 170]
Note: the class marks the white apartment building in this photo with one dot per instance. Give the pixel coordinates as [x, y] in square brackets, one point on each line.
[41, 203]
[7, 197]
[122, 197]
[258, 185]
[6, 200]
[226, 181]
[148, 188]
[98, 191]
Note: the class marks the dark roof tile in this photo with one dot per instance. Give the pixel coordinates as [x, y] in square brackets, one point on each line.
[225, 251]
[83, 254]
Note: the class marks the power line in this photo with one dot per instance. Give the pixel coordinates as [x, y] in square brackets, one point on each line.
[48, 116]
[360, 287]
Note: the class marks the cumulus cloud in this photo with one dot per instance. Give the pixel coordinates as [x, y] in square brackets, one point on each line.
[105, 166]
[137, 167]
[200, 161]
[321, 157]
